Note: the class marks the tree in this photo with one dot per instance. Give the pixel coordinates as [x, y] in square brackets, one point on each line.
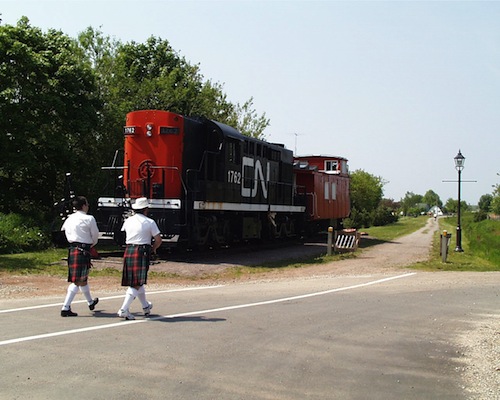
[484, 203]
[48, 112]
[432, 199]
[153, 75]
[495, 202]
[451, 206]
[410, 203]
[366, 192]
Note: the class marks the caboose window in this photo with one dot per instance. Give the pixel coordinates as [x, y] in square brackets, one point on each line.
[331, 165]
[334, 191]
[327, 191]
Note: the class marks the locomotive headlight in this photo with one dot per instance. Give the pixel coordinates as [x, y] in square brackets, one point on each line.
[149, 130]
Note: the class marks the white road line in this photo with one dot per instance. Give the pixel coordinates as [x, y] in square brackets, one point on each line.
[260, 303]
[109, 297]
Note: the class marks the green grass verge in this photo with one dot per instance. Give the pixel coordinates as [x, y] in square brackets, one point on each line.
[404, 226]
[482, 260]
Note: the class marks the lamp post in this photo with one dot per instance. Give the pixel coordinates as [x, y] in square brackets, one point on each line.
[459, 165]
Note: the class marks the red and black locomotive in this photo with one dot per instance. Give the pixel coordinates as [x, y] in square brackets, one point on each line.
[208, 184]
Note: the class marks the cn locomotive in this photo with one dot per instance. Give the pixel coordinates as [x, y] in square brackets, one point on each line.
[210, 185]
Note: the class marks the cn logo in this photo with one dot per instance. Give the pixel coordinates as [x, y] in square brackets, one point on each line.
[250, 164]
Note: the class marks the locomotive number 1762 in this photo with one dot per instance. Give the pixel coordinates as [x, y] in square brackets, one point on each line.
[234, 176]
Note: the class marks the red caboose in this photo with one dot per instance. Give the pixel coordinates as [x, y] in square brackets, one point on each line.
[325, 180]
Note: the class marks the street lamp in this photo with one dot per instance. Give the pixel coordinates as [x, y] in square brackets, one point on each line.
[459, 165]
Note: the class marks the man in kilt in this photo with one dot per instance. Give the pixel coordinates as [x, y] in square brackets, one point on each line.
[139, 231]
[82, 234]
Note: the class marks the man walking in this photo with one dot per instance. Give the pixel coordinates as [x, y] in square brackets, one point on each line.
[139, 230]
[82, 234]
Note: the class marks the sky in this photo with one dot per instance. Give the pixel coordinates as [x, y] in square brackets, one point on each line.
[396, 87]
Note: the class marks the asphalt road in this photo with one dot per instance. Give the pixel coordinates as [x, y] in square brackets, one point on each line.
[381, 336]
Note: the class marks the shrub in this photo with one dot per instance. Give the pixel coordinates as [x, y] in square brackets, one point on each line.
[384, 216]
[19, 234]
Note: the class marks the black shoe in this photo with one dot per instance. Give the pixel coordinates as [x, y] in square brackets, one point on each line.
[68, 313]
[94, 303]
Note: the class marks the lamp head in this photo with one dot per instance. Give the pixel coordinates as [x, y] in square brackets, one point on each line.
[459, 161]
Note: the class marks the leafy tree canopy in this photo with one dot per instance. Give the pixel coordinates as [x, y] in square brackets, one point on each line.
[366, 190]
[431, 198]
[484, 203]
[48, 114]
[63, 103]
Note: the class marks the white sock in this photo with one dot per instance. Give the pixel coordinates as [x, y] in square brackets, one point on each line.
[141, 293]
[86, 292]
[70, 295]
[130, 296]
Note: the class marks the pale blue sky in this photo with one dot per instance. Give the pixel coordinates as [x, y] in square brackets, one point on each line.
[396, 87]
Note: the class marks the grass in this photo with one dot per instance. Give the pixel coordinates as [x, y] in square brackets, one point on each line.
[40, 262]
[480, 255]
[404, 226]
[469, 259]
[47, 262]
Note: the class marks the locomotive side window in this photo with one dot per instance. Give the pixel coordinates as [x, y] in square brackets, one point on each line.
[233, 151]
[274, 155]
[258, 151]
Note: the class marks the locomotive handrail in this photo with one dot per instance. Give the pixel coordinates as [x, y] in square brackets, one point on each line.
[202, 162]
[122, 167]
[173, 168]
[153, 167]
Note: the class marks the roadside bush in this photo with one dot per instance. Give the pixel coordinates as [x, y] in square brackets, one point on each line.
[480, 216]
[384, 216]
[19, 234]
[358, 219]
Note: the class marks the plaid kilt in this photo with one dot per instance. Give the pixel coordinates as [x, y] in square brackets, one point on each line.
[79, 263]
[136, 265]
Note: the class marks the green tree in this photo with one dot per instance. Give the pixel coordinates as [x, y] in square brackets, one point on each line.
[410, 202]
[484, 203]
[366, 192]
[495, 202]
[153, 75]
[48, 112]
[451, 206]
[431, 198]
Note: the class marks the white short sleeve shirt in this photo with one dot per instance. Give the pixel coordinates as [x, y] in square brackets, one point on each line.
[139, 229]
[81, 228]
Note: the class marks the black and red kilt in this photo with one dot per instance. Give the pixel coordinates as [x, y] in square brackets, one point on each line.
[136, 265]
[79, 263]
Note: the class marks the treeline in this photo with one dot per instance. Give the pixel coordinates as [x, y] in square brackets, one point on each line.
[63, 103]
[370, 208]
